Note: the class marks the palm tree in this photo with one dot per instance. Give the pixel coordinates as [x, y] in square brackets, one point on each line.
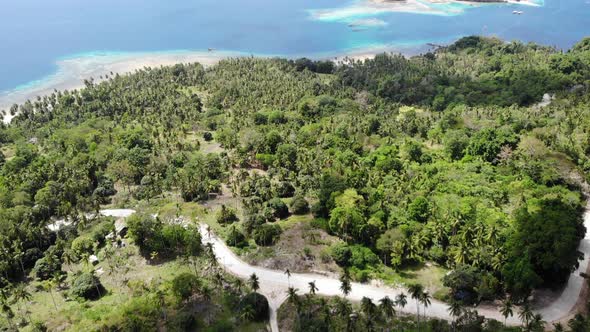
[537, 323]
[401, 300]
[455, 310]
[506, 309]
[345, 285]
[49, 285]
[387, 307]
[368, 308]
[292, 295]
[238, 284]
[207, 294]
[425, 300]
[288, 274]
[558, 327]
[247, 313]
[254, 283]
[416, 291]
[5, 307]
[312, 288]
[20, 293]
[343, 307]
[526, 314]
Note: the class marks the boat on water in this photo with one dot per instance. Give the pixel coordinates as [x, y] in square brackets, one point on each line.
[517, 12]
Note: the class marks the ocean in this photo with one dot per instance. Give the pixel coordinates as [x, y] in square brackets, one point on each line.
[36, 35]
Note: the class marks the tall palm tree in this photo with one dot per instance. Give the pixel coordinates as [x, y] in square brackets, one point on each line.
[401, 300]
[558, 327]
[386, 305]
[369, 309]
[247, 313]
[526, 314]
[345, 285]
[288, 274]
[506, 309]
[49, 285]
[254, 282]
[455, 310]
[19, 294]
[238, 284]
[416, 291]
[292, 295]
[312, 288]
[425, 300]
[537, 323]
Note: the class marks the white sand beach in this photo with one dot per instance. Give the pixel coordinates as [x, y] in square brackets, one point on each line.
[72, 72]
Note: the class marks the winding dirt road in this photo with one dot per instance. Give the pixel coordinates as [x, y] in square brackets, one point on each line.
[274, 284]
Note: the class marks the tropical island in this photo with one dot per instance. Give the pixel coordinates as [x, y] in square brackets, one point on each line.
[440, 192]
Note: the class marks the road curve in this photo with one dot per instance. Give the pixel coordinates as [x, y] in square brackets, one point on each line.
[274, 285]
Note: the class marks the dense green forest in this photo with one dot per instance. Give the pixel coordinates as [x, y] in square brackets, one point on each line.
[445, 158]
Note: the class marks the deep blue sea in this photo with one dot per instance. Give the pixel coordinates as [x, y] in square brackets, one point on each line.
[34, 34]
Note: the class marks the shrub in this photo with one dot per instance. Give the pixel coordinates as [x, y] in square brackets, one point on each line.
[207, 136]
[284, 189]
[363, 257]
[87, 286]
[341, 254]
[320, 223]
[463, 282]
[82, 245]
[267, 234]
[46, 267]
[227, 215]
[236, 238]
[279, 208]
[185, 285]
[258, 303]
[419, 209]
[299, 205]
[101, 231]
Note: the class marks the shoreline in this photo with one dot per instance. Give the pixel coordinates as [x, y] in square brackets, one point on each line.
[370, 8]
[74, 69]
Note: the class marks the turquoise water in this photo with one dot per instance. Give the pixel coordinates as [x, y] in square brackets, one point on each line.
[35, 34]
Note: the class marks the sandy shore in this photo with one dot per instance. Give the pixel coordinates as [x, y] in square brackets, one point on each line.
[72, 72]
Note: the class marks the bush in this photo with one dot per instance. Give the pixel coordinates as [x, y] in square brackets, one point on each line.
[284, 189]
[185, 285]
[463, 282]
[279, 208]
[101, 231]
[235, 238]
[207, 136]
[82, 245]
[299, 205]
[267, 234]
[320, 223]
[259, 305]
[363, 257]
[419, 209]
[151, 235]
[341, 254]
[87, 286]
[46, 267]
[227, 215]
